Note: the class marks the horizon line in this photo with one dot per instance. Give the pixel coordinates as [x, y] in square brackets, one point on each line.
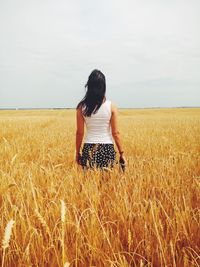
[50, 108]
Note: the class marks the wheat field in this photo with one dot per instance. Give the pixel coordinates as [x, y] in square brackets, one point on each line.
[54, 214]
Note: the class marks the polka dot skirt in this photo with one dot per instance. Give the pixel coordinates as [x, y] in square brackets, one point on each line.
[98, 155]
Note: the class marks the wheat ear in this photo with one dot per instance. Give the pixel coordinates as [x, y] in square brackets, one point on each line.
[6, 239]
[62, 215]
[42, 221]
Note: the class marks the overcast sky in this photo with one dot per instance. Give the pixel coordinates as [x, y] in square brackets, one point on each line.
[149, 51]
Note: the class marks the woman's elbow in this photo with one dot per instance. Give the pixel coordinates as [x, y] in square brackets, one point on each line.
[115, 134]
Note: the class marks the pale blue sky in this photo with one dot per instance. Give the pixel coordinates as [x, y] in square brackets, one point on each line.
[149, 51]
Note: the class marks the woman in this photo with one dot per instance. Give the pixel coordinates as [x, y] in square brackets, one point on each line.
[100, 117]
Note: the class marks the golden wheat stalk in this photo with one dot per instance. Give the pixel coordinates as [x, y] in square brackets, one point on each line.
[27, 253]
[6, 239]
[157, 233]
[42, 221]
[13, 159]
[33, 191]
[63, 213]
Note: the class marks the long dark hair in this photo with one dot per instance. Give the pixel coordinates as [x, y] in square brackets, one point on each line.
[96, 89]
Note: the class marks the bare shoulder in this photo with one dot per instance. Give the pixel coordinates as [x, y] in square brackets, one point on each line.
[113, 107]
[79, 111]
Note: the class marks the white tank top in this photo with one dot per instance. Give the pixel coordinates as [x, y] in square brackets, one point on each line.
[98, 125]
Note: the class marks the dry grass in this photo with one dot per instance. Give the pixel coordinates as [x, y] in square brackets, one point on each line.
[147, 217]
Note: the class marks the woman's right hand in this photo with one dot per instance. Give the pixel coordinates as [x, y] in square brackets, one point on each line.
[122, 161]
[123, 158]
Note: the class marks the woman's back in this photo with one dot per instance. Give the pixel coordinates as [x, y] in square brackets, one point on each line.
[100, 118]
[98, 125]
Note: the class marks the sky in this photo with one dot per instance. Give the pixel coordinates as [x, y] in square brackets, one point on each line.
[149, 51]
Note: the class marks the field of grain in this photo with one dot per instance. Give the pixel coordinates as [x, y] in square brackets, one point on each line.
[53, 214]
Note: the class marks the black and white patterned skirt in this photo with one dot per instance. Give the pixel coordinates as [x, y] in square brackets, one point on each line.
[98, 155]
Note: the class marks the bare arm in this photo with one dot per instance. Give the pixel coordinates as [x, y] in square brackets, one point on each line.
[114, 128]
[79, 132]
